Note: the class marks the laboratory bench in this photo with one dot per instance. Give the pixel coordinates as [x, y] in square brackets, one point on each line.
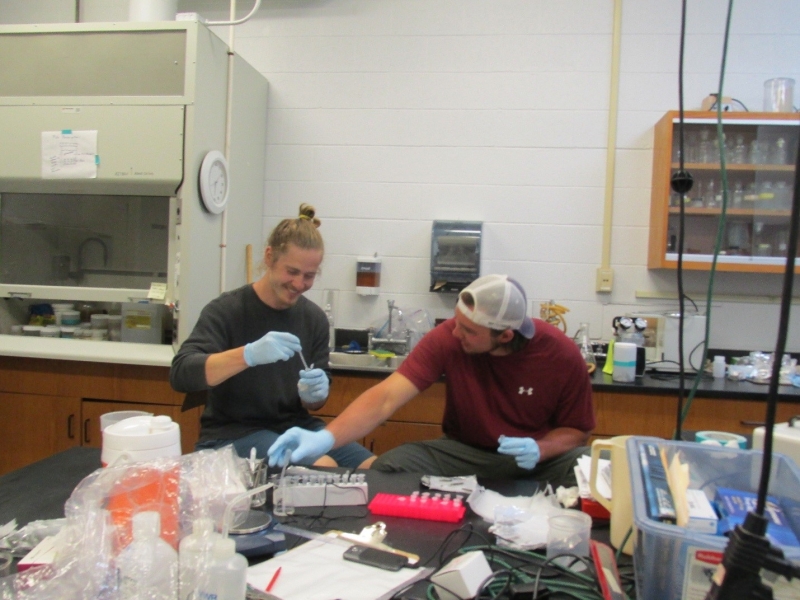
[40, 490]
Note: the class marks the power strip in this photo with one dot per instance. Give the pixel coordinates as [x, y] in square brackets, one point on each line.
[330, 489]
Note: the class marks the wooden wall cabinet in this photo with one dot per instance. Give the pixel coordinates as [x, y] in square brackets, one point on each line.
[50, 405]
[655, 415]
[760, 158]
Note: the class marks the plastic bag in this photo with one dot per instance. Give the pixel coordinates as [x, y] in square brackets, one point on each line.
[97, 526]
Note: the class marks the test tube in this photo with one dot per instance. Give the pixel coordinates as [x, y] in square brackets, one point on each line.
[283, 503]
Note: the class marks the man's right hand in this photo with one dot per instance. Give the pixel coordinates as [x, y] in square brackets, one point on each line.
[274, 346]
[302, 443]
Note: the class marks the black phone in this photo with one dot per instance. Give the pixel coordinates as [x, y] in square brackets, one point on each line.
[375, 558]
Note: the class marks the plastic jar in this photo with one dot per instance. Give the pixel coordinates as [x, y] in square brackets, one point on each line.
[51, 331]
[99, 321]
[115, 328]
[97, 335]
[68, 332]
[32, 330]
[70, 317]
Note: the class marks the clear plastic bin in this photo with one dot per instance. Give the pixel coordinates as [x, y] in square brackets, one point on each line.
[673, 562]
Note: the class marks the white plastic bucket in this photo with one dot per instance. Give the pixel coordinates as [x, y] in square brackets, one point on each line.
[120, 415]
[140, 438]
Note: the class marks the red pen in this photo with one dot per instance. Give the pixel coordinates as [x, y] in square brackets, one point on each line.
[272, 581]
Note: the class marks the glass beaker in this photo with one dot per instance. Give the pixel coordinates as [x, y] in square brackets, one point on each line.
[779, 94]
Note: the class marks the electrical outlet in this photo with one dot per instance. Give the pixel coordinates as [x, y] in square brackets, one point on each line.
[605, 279]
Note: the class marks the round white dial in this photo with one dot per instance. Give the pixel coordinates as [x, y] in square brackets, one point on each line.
[214, 182]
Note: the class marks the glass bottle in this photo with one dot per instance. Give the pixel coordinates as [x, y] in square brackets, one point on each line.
[585, 344]
[738, 194]
[766, 195]
[779, 156]
[757, 153]
[710, 195]
[783, 195]
[739, 154]
[706, 149]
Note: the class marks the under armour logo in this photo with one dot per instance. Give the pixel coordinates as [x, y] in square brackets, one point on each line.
[528, 391]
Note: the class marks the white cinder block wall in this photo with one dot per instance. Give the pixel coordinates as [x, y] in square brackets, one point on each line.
[389, 114]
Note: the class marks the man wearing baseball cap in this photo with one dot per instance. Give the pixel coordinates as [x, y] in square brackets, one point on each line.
[519, 397]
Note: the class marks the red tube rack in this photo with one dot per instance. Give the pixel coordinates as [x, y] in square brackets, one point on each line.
[415, 506]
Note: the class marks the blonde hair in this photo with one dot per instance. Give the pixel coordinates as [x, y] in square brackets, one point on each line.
[302, 232]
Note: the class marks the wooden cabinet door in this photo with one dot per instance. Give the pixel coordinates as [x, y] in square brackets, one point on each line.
[394, 433]
[634, 414]
[33, 427]
[734, 416]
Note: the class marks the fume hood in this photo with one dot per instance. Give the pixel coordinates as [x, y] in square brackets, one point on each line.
[105, 127]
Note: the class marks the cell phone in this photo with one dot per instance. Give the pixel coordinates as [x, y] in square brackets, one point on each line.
[375, 558]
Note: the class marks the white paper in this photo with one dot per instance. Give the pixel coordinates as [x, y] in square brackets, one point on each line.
[316, 570]
[69, 154]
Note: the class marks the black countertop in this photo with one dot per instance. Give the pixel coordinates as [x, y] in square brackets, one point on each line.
[667, 384]
[663, 384]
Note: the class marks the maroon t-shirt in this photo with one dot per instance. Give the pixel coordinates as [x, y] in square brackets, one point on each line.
[524, 394]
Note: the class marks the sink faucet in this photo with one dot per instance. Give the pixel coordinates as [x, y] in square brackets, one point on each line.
[396, 341]
[391, 310]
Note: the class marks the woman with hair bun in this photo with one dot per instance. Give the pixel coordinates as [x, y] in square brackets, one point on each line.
[244, 351]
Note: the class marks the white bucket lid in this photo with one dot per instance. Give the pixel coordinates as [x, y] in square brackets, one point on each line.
[142, 433]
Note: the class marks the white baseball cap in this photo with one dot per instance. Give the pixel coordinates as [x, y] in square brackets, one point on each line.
[498, 303]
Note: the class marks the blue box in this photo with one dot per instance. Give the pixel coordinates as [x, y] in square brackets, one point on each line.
[674, 562]
[733, 506]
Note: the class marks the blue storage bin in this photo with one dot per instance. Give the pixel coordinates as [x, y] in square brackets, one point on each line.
[673, 562]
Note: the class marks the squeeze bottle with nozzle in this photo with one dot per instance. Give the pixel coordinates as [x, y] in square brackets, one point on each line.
[194, 556]
[226, 575]
[148, 566]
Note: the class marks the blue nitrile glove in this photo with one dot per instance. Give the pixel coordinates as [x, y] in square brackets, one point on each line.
[313, 385]
[525, 450]
[274, 346]
[303, 443]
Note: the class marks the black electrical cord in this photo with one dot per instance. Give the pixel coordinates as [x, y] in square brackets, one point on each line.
[681, 183]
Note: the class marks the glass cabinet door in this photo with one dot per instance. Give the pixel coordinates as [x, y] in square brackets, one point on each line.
[760, 157]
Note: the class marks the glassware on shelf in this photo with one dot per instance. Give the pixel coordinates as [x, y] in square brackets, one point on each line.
[697, 195]
[739, 152]
[751, 194]
[780, 152]
[766, 195]
[761, 241]
[691, 147]
[738, 238]
[783, 195]
[758, 152]
[710, 195]
[706, 148]
[782, 242]
[738, 194]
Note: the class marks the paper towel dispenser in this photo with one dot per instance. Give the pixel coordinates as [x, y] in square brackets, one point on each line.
[455, 255]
